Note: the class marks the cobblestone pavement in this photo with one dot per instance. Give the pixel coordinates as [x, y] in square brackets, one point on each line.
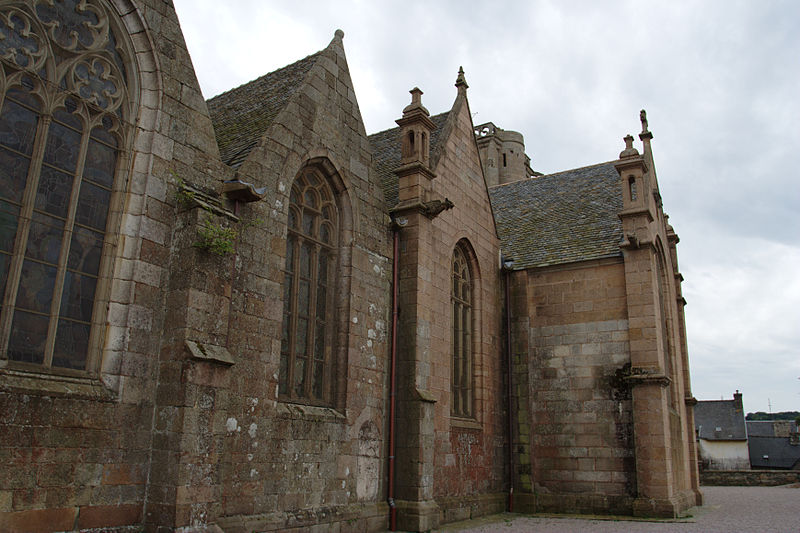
[726, 509]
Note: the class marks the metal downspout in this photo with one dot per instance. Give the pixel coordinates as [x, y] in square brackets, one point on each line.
[392, 376]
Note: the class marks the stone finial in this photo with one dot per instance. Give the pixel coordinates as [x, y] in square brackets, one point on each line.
[461, 81]
[629, 150]
[339, 34]
[416, 103]
[643, 118]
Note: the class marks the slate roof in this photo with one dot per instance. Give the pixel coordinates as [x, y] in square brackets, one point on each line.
[242, 115]
[760, 428]
[560, 218]
[712, 414]
[386, 155]
[780, 453]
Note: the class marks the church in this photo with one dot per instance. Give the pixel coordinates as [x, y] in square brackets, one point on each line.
[246, 314]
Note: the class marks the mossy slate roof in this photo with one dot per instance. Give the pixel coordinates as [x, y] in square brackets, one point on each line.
[242, 115]
[560, 218]
[386, 155]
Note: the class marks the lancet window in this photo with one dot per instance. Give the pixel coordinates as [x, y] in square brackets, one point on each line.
[307, 344]
[461, 298]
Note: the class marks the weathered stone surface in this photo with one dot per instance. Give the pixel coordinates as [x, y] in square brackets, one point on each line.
[178, 423]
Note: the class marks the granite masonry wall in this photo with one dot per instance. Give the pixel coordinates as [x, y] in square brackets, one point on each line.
[574, 429]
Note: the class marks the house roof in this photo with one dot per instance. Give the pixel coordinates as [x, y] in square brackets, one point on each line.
[386, 155]
[719, 420]
[242, 115]
[560, 218]
[773, 452]
[771, 428]
[760, 428]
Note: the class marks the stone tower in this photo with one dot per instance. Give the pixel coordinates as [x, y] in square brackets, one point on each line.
[502, 155]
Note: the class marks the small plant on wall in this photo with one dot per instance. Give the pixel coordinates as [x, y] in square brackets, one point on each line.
[214, 237]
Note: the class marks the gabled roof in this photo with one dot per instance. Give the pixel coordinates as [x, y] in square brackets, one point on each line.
[242, 115]
[386, 155]
[723, 414]
[773, 452]
[560, 218]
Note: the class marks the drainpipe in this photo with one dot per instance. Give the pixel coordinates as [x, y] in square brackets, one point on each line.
[392, 372]
[507, 264]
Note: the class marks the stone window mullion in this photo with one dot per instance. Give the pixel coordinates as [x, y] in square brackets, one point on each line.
[23, 230]
[291, 315]
[312, 322]
[61, 272]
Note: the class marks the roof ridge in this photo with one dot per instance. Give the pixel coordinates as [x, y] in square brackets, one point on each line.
[585, 167]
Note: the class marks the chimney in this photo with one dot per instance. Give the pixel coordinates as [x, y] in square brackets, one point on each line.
[416, 127]
[414, 173]
[737, 400]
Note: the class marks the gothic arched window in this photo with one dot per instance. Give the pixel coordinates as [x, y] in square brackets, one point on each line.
[461, 298]
[63, 112]
[307, 340]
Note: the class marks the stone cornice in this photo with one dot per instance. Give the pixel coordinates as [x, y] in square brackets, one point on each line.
[634, 212]
[631, 162]
[641, 376]
[412, 168]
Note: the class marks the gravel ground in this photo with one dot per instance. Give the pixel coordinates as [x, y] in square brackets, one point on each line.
[726, 510]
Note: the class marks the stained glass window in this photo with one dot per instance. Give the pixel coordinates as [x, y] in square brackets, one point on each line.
[59, 150]
[307, 334]
[461, 299]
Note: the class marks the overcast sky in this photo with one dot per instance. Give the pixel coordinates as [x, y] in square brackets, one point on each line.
[720, 81]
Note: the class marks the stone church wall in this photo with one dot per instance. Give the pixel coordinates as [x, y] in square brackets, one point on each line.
[285, 464]
[177, 422]
[468, 453]
[575, 423]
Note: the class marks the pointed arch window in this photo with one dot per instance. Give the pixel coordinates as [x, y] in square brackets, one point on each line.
[461, 299]
[307, 340]
[63, 109]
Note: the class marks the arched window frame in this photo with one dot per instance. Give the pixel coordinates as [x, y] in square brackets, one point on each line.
[463, 332]
[324, 387]
[80, 82]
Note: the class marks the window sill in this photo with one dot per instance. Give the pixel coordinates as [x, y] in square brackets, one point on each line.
[465, 423]
[45, 384]
[308, 412]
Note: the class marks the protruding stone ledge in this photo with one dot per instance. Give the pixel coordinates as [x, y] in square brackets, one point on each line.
[308, 412]
[425, 396]
[43, 384]
[209, 353]
[647, 377]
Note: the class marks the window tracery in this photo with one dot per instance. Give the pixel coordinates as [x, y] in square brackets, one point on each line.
[64, 111]
[307, 340]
